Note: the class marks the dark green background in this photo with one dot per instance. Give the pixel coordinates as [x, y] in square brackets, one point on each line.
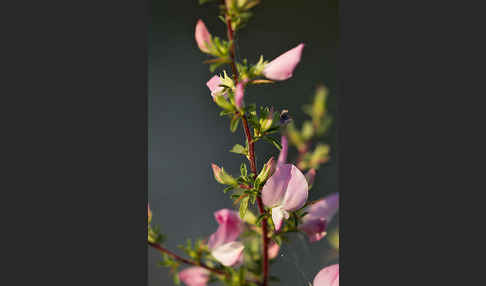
[186, 133]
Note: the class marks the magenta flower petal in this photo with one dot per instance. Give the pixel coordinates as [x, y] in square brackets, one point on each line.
[194, 276]
[239, 94]
[319, 214]
[329, 276]
[230, 227]
[282, 67]
[203, 37]
[282, 157]
[229, 254]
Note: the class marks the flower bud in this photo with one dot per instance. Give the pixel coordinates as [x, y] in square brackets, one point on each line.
[239, 94]
[282, 67]
[221, 176]
[273, 250]
[203, 37]
[194, 276]
[149, 214]
[266, 172]
[266, 123]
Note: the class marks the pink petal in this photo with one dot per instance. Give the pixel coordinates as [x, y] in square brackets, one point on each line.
[282, 67]
[274, 189]
[229, 254]
[230, 227]
[329, 276]
[282, 157]
[325, 208]
[213, 85]
[203, 37]
[278, 216]
[194, 276]
[273, 250]
[239, 94]
[297, 191]
[314, 228]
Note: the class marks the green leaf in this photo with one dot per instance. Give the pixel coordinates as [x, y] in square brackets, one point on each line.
[204, 1]
[244, 171]
[176, 279]
[273, 141]
[243, 207]
[234, 123]
[239, 149]
[227, 189]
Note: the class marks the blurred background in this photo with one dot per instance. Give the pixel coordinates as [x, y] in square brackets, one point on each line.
[186, 133]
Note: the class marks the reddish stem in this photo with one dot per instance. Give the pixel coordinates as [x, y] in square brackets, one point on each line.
[251, 156]
[183, 260]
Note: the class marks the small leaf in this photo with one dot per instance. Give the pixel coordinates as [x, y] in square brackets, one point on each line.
[227, 189]
[243, 207]
[239, 149]
[234, 123]
[243, 169]
[273, 141]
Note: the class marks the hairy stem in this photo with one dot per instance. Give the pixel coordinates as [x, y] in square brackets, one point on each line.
[251, 158]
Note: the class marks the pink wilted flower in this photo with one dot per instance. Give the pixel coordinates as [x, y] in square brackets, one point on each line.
[286, 190]
[222, 243]
[328, 276]
[314, 223]
[194, 276]
[239, 94]
[203, 37]
[282, 67]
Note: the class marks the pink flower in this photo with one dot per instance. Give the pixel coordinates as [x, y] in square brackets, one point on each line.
[286, 190]
[328, 276]
[239, 94]
[282, 157]
[222, 243]
[273, 250]
[314, 224]
[194, 276]
[213, 85]
[203, 37]
[282, 67]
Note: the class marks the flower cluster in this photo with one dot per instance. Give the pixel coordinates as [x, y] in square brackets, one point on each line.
[273, 200]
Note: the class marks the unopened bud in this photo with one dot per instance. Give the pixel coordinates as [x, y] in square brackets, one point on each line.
[266, 172]
[221, 176]
[149, 214]
[266, 123]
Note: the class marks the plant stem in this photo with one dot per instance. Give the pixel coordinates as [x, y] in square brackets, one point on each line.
[183, 260]
[251, 155]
